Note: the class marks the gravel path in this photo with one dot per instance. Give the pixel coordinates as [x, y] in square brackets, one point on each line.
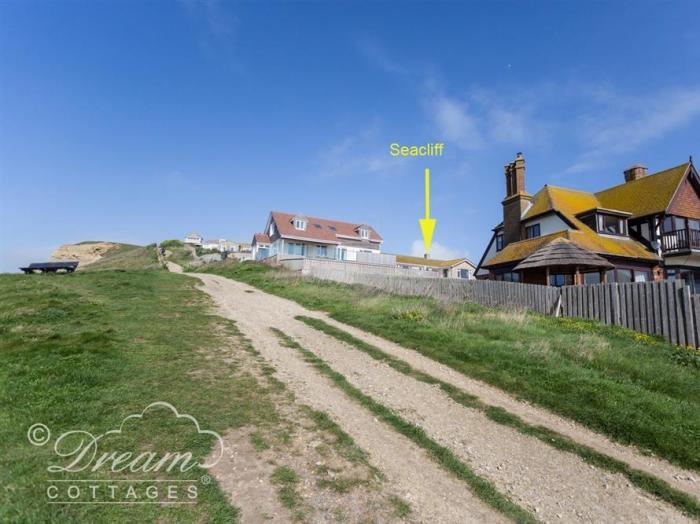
[556, 486]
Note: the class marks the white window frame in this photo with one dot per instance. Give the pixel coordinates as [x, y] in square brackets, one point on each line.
[300, 224]
[364, 233]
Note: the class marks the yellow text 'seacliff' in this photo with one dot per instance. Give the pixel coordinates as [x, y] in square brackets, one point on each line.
[430, 149]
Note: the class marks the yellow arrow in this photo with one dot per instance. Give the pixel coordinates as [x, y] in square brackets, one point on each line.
[427, 224]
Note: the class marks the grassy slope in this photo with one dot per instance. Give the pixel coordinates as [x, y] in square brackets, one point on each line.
[82, 351]
[628, 386]
[126, 257]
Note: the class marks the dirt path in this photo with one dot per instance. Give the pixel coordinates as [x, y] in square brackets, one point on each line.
[554, 485]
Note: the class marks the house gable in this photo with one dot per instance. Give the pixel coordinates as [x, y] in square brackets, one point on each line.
[686, 201]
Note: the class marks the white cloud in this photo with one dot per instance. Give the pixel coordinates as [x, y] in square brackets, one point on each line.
[620, 124]
[437, 251]
[455, 122]
[379, 56]
[363, 153]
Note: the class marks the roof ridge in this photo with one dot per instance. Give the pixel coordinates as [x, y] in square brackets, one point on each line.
[569, 189]
[686, 164]
[309, 217]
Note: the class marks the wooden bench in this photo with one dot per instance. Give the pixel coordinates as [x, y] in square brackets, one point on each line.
[51, 267]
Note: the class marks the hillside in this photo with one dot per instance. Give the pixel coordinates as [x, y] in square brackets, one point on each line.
[127, 256]
[86, 253]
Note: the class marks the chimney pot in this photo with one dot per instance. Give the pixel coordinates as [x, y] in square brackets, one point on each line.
[635, 172]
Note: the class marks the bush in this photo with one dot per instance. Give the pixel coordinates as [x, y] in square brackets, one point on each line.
[171, 243]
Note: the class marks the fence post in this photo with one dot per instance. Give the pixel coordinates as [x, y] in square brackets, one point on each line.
[689, 323]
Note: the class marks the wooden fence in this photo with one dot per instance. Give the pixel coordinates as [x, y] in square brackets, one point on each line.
[664, 308]
[658, 308]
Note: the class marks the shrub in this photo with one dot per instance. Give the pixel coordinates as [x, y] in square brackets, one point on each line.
[171, 243]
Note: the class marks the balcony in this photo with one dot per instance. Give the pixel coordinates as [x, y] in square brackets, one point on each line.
[680, 240]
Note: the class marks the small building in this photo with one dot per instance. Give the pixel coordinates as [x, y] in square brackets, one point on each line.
[288, 235]
[456, 268]
[260, 246]
[194, 239]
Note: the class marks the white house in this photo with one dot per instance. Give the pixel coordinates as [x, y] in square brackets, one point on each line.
[194, 238]
[292, 235]
[457, 268]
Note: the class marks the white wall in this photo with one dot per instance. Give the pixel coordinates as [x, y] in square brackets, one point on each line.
[548, 224]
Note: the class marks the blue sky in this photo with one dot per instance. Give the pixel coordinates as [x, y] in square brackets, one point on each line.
[140, 121]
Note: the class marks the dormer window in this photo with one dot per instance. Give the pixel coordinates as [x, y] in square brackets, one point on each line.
[300, 223]
[364, 232]
[612, 225]
[272, 228]
[606, 221]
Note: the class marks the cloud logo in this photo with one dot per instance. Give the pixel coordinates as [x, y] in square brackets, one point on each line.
[219, 444]
[80, 450]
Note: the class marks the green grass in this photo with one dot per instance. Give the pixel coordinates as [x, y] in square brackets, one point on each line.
[402, 509]
[167, 244]
[482, 488]
[182, 256]
[126, 257]
[82, 351]
[286, 481]
[629, 387]
[640, 479]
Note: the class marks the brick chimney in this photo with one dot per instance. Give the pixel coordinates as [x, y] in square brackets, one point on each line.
[517, 200]
[635, 172]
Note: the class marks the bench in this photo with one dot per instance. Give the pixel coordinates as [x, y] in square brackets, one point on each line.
[51, 267]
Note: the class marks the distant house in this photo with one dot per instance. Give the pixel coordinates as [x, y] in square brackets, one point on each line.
[290, 235]
[456, 268]
[647, 228]
[194, 239]
[260, 246]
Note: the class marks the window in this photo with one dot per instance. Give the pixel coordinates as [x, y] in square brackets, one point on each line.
[532, 231]
[294, 248]
[332, 228]
[589, 220]
[673, 224]
[508, 276]
[561, 279]
[612, 225]
[463, 273]
[322, 251]
[642, 276]
[591, 278]
[317, 226]
[364, 232]
[272, 228]
[694, 225]
[624, 275]
[499, 242]
[300, 223]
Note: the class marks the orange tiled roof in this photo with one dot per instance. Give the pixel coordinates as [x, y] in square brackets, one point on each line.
[321, 229]
[432, 262]
[261, 238]
[600, 244]
[648, 195]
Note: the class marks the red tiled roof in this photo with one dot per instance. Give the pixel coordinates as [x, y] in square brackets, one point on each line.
[321, 229]
[261, 238]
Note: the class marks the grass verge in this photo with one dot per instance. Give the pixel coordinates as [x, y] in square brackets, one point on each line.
[633, 389]
[642, 480]
[482, 488]
[83, 351]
